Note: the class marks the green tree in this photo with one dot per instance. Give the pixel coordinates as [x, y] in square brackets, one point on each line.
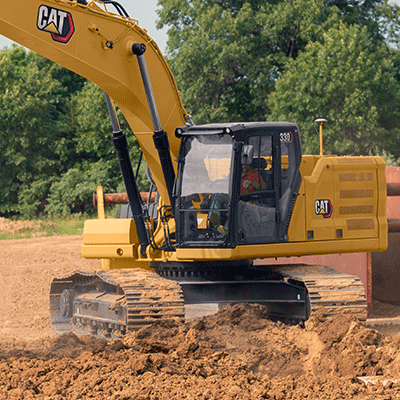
[73, 191]
[361, 12]
[32, 130]
[226, 56]
[349, 79]
[388, 16]
[93, 134]
[94, 159]
[54, 133]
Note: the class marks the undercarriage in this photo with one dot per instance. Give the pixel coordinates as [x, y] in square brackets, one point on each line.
[112, 303]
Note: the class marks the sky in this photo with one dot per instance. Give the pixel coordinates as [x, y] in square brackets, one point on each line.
[143, 11]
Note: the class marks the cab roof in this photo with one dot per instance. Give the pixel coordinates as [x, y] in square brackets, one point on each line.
[232, 127]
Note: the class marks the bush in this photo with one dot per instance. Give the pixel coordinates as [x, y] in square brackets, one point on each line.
[73, 193]
[32, 198]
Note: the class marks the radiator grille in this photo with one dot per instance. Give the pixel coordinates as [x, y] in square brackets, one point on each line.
[356, 176]
[359, 224]
[349, 160]
[356, 193]
[356, 209]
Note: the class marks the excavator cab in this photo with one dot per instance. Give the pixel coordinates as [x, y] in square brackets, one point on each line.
[236, 183]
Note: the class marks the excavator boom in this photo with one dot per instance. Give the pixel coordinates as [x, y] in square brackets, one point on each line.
[97, 44]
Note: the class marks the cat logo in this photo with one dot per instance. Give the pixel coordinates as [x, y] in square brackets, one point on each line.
[57, 22]
[324, 208]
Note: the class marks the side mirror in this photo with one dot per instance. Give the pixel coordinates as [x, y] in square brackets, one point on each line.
[247, 154]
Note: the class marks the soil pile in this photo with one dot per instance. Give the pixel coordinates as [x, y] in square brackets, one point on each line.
[35, 228]
[236, 354]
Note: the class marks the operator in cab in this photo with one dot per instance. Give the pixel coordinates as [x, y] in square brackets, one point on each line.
[251, 180]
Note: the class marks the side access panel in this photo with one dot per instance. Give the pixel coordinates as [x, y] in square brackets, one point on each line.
[340, 199]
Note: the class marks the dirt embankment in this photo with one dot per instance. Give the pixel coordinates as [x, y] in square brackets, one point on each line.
[237, 354]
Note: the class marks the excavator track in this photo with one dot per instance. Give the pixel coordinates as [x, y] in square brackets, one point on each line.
[330, 292]
[113, 302]
[292, 292]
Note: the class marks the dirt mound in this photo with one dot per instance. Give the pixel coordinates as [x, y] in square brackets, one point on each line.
[22, 228]
[236, 354]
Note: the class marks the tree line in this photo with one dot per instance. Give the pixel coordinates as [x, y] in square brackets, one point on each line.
[233, 60]
[55, 138]
[293, 60]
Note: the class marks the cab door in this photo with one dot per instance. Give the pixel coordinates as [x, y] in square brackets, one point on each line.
[258, 207]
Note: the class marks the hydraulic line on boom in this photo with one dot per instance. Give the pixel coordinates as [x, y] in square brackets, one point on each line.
[121, 147]
[160, 136]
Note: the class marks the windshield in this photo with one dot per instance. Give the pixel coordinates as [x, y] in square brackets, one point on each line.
[203, 204]
[207, 164]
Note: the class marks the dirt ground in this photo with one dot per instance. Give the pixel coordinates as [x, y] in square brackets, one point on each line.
[235, 354]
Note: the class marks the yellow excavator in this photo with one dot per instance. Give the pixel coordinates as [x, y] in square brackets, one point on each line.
[226, 193]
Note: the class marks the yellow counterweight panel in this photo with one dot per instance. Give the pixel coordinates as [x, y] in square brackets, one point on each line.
[340, 198]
